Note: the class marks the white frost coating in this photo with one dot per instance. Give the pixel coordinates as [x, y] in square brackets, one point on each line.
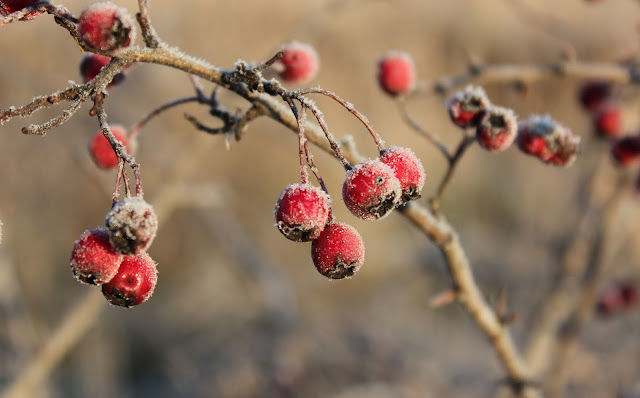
[132, 225]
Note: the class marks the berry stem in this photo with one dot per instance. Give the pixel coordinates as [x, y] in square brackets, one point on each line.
[312, 166]
[168, 105]
[453, 163]
[402, 106]
[148, 33]
[301, 119]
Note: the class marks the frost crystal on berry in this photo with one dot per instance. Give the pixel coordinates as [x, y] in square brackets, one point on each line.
[544, 138]
[299, 63]
[302, 211]
[408, 170]
[371, 190]
[93, 260]
[132, 225]
[134, 283]
[497, 129]
[396, 73]
[106, 27]
[338, 252]
[467, 107]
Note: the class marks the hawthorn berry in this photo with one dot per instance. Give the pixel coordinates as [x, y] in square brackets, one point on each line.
[104, 26]
[302, 211]
[544, 138]
[338, 252]
[396, 73]
[607, 120]
[132, 225]
[299, 63]
[467, 107]
[593, 93]
[497, 129]
[618, 297]
[626, 151]
[408, 170]
[93, 260]
[101, 151]
[91, 64]
[371, 190]
[10, 6]
[134, 283]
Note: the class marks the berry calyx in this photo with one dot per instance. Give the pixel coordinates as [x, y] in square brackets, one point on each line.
[592, 94]
[101, 151]
[302, 211]
[408, 170]
[549, 141]
[467, 107]
[371, 190]
[10, 6]
[132, 225]
[93, 260]
[607, 120]
[299, 63]
[396, 73]
[134, 283]
[104, 26]
[338, 252]
[626, 151]
[497, 129]
[91, 64]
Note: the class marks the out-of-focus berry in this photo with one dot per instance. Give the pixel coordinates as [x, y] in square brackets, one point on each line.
[104, 26]
[607, 120]
[549, 141]
[626, 151]
[101, 151]
[497, 129]
[10, 6]
[467, 107]
[593, 93]
[396, 73]
[299, 63]
[91, 64]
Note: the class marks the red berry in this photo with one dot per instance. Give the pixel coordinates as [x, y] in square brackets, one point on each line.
[134, 283]
[497, 129]
[102, 152]
[132, 225]
[408, 170]
[299, 63]
[371, 190]
[467, 107]
[396, 73]
[106, 27]
[607, 120]
[593, 94]
[302, 211]
[542, 137]
[626, 151]
[10, 6]
[93, 259]
[91, 64]
[338, 252]
[617, 297]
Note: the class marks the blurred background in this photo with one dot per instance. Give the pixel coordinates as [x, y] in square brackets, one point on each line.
[239, 311]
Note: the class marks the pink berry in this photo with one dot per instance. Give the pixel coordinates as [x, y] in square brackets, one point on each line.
[302, 211]
[10, 6]
[593, 93]
[607, 120]
[102, 152]
[134, 283]
[371, 190]
[299, 63]
[497, 129]
[396, 73]
[338, 252]
[106, 27]
[626, 151]
[132, 225]
[93, 260]
[467, 107]
[544, 138]
[91, 64]
[408, 170]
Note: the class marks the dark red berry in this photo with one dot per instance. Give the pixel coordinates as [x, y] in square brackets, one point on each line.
[132, 225]
[408, 170]
[338, 252]
[302, 211]
[593, 94]
[371, 190]
[10, 6]
[106, 27]
[299, 63]
[134, 283]
[396, 73]
[618, 297]
[91, 64]
[544, 138]
[101, 151]
[93, 260]
[626, 151]
[497, 129]
[467, 107]
[607, 120]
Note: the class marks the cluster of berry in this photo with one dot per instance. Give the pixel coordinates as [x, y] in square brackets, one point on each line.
[115, 257]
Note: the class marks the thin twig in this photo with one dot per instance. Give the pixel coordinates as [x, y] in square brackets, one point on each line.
[404, 112]
[464, 144]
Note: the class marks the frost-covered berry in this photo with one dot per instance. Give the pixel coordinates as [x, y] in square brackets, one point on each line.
[467, 107]
[396, 73]
[134, 283]
[132, 225]
[338, 252]
[626, 151]
[408, 170]
[101, 151]
[371, 190]
[299, 63]
[91, 64]
[549, 141]
[593, 93]
[10, 6]
[106, 27]
[302, 211]
[607, 120]
[497, 129]
[93, 259]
